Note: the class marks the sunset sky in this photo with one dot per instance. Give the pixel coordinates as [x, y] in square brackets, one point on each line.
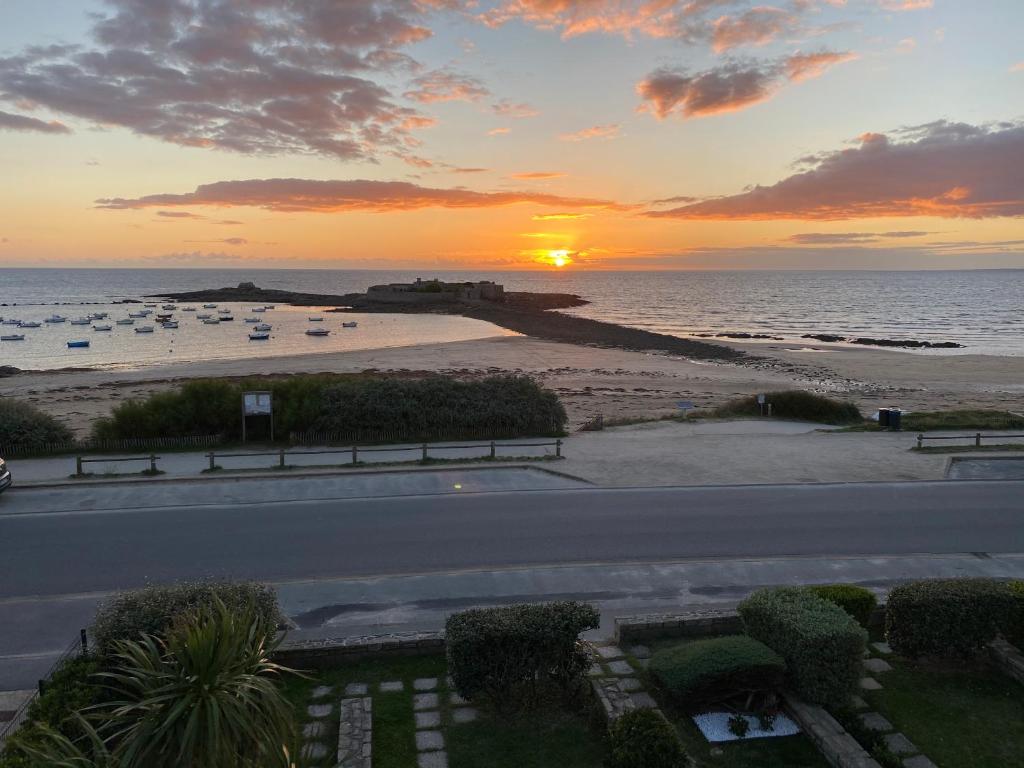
[505, 134]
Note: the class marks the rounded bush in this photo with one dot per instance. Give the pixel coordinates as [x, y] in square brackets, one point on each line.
[718, 669]
[24, 426]
[796, 404]
[948, 617]
[856, 601]
[643, 738]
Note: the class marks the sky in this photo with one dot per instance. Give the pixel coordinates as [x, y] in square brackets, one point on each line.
[512, 134]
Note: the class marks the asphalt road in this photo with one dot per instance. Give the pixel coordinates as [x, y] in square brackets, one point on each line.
[57, 553]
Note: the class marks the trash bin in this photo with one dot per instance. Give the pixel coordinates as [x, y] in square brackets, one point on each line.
[883, 418]
[895, 419]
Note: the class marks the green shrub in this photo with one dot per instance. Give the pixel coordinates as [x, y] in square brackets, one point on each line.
[856, 601]
[822, 644]
[71, 688]
[24, 426]
[718, 669]
[1015, 629]
[430, 408]
[153, 610]
[795, 404]
[923, 421]
[502, 654]
[948, 617]
[643, 738]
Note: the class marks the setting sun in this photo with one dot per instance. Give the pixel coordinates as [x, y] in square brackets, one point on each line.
[559, 258]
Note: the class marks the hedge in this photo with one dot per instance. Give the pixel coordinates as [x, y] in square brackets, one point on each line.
[796, 404]
[22, 425]
[1015, 631]
[718, 669]
[434, 407]
[856, 601]
[643, 738]
[822, 644]
[948, 617]
[71, 688]
[502, 654]
[152, 610]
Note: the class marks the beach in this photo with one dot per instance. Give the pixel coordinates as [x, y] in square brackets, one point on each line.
[619, 385]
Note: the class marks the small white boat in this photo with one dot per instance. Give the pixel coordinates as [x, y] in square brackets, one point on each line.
[252, 319]
[259, 309]
[226, 318]
[223, 311]
[126, 322]
[263, 327]
[144, 329]
[150, 305]
[269, 306]
[81, 321]
[55, 319]
[76, 344]
[209, 306]
[138, 315]
[211, 321]
[29, 325]
[203, 317]
[352, 324]
[13, 337]
[169, 324]
[259, 336]
[189, 309]
[11, 322]
[101, 327]
[169, 306]
[317, 332]
[316, 319]
[97, 316]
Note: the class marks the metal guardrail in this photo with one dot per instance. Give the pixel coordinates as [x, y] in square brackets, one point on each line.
[356, 451]
[77, 648]
[80, 460]
[977, 437]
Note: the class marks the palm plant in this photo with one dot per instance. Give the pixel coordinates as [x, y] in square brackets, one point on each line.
[203, 697]
[53, 749]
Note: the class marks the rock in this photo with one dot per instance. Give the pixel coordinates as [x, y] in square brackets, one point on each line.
[8, 370]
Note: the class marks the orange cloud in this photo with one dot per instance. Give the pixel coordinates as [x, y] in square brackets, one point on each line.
[608, 131]
[445, 85]
[301, 195]
[12, 122]
[729, 87]
[940, 169]
[756, 26]
[533, 175]
[520, 111]
[499, 131]
[560, 216]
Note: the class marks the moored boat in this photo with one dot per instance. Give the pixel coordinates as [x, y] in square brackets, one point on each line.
[144, 329]
[317, 331]
[101, 327]
[138, 315]
[259, 336]
[55, 319]
[169, 324]
[211, 321]
[263, 327]
[350, 324]
[81, 321]
[78, 343]
[10, 321]
[209, 306]
[129, 321]
[316, 319]
[13, 337]
[29, 324]
[252, 319]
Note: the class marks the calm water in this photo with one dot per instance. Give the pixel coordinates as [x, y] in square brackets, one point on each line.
[983, 310]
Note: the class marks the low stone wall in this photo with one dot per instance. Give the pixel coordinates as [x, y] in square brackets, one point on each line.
[1008, 659]
[327, 652]
[695, 623]
[835, 744]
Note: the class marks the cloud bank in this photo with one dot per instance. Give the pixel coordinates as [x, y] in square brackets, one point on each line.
[12, 122]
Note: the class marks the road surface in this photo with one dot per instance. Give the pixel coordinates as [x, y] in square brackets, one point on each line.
[54, 565]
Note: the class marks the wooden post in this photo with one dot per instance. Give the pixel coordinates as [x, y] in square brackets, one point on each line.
[78, 465]
[355, 454]
[213, 465]
[492, 449]
[85, 641]
[152, 463]
[281, 463]
[424, 452]
[977, 440]
[920, 441]
[558, 447]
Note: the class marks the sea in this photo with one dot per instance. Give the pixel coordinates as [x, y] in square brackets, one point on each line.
[981, 309]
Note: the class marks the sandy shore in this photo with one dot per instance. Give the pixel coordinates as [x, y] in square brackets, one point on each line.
[615, 383]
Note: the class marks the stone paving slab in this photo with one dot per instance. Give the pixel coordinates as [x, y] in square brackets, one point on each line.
[357, 689]
[858, 703]
[355, 733]
[429, 741]
[622, 668]
[875, 722]
[882, 648]
[313, 730]
[609, 652]
[464, 715]
[870, 684]
[392, 686]
[428, 720]
[630, 684]
[899, 744]
[313, 750]
[321, 691]
[425, 684]
[423, 701]
[918, 762]
[877, 666]
[456, 700]
[319, 711]
[432, 760]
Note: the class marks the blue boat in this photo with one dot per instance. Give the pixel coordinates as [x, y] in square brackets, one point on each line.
[72, 344]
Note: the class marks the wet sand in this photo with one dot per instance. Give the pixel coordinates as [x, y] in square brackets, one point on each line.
[617, 384]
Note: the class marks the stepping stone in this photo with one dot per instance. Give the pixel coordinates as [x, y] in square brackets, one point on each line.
[882, 648]
[870, 684]
[313, 730]
[608, 652]
[456, 700]
[395, 686]
[321, 691]
[630, 684]
[640, 652]
[596, 670]
[875, 722]
[643, 700]
[918, 762]
[899, 744]
[425, 684]
[877, 666]
[464, 715]
[356, 689]
[425, 701]
[319, 710]
[858, 703]
[432, 760]
[429, 741]
[621, 668]
[428, 720]
[313, 750]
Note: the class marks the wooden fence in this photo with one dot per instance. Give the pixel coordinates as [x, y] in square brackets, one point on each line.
[112, 446]
[370, 437]
[977, 437]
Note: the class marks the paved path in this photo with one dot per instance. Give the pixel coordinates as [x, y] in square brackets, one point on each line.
[54, 565]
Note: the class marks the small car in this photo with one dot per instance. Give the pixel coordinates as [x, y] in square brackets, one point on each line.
[5, 476]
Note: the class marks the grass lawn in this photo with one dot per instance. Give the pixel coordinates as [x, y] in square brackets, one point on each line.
[960, 715]
[544, 739]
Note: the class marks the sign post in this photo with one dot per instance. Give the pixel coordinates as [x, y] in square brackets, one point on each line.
[257, 404]
[760, 403]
